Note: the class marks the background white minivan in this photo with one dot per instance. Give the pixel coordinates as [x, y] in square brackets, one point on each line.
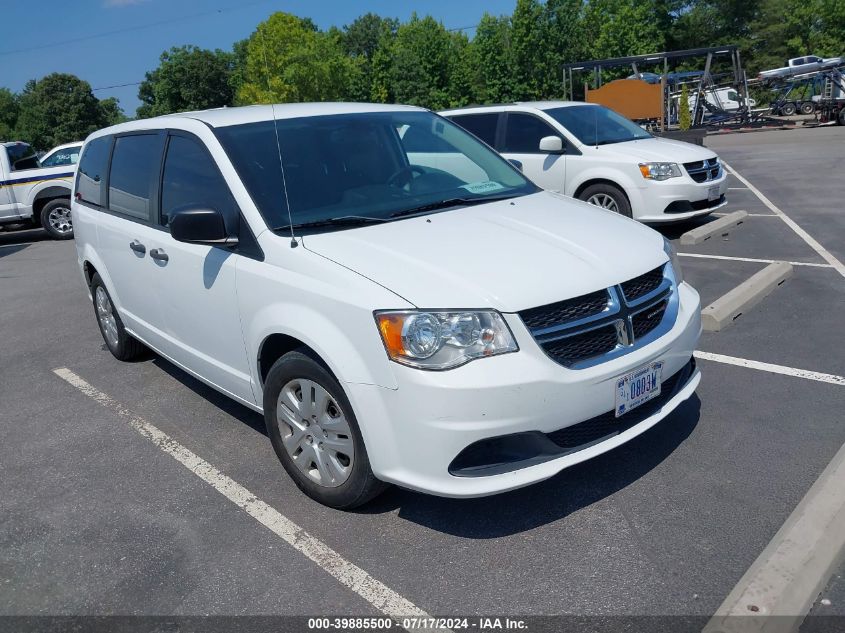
[592, 153]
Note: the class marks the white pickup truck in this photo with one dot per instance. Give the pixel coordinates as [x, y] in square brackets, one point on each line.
[31, 194]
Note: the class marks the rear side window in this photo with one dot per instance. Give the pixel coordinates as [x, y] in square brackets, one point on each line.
[482, 125]
[135, 165]
[191, 180]
[523, 133]
[92, 171]
[22, 156]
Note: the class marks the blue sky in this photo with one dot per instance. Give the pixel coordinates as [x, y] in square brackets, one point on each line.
[57, 36]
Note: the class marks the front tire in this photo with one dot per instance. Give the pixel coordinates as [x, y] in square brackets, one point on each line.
[808, 107]
[609, 197]
[788, 109]
[315, 433]
[56, 219]
[118, 340]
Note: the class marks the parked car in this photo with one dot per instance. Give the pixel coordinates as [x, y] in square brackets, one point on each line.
[63, 155]
[451, 329]
[589, 152]
[32, 195]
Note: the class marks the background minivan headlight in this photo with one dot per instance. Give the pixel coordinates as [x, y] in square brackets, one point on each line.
[669, 248]
[441, 339]
[660, 171]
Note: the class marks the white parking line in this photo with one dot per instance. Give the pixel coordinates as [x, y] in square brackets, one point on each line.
[752, 259]
[775, 369]
[376, 593]
[821, 250]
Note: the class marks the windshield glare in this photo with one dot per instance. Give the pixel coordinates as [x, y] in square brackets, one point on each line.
[373, 165]
[597, 125]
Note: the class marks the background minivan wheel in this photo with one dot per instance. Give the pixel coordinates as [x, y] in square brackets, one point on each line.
[315, 433]
[607, 197]
[56, 220]
[118, 340]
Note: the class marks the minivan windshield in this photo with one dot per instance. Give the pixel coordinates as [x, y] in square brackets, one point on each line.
[347, 169]
[597, 125]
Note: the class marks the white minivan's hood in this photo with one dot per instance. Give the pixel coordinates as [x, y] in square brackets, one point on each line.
[508, 255]
[659, 150]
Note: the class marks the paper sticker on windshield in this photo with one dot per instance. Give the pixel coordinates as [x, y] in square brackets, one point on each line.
[485, 186]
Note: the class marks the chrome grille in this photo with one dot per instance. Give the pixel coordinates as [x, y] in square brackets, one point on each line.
[579, 332]
[704, 170]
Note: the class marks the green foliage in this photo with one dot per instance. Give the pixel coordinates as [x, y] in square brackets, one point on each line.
[288, 60]
[60, 108]
[8, 113]
[684, 115]
[422, 55]
[367, 41]
[188, 78]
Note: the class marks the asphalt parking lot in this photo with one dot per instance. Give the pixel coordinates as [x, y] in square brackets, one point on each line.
[96, 519]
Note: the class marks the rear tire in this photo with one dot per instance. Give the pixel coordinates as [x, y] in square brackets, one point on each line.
[609, 197]
[788, 109]
[56, 219]
[315, 433]
[808, 107]
[120, 343]
[840, 118]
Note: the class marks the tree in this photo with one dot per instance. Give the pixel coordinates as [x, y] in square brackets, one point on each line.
[684, 114]
[368, 42]
[491, 46]
[58, 109]
[421, 63]
[187, 78]
[618, 28]
[288, 60]
[112, 114]
[8, 113]
[528, 49]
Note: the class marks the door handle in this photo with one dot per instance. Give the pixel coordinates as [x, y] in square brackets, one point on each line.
[159, 255]
[136, 246]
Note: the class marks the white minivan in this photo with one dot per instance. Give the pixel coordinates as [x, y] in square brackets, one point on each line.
[590, 152]
[450, 329]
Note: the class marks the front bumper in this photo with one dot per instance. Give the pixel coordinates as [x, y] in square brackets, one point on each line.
[414, 433]
[678, 199]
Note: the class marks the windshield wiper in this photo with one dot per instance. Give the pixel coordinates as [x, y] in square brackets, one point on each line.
[346, 220]
[449, 202]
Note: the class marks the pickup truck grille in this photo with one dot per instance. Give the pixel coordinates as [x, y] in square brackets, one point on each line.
[585, 330]
[704, 170]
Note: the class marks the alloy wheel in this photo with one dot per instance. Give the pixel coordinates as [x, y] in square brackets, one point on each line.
[60, 220]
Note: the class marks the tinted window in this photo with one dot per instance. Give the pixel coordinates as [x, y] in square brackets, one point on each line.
[482, 125]
[191, 180]
[597, 125]
[134, 171]
[416, 140]
[92, 171]
[21, 156]
[68, 156]
[523, 133]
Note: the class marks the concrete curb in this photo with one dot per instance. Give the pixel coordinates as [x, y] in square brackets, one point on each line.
[722, 226]
[724, 310]
[780, 587]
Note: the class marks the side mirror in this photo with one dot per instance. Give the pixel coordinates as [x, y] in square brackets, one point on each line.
[200, 226]
[551, 145]
[516, 163]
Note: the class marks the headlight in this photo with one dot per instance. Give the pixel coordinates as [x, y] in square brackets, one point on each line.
[441, 339]
[660, 171]
[673, 259]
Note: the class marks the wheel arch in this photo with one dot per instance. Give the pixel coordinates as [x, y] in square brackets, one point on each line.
[47, 193]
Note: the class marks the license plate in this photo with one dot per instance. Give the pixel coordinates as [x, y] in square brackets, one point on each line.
[638, 387]
[713, 194]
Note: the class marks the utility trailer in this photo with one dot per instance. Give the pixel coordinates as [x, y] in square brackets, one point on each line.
[820, 91]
